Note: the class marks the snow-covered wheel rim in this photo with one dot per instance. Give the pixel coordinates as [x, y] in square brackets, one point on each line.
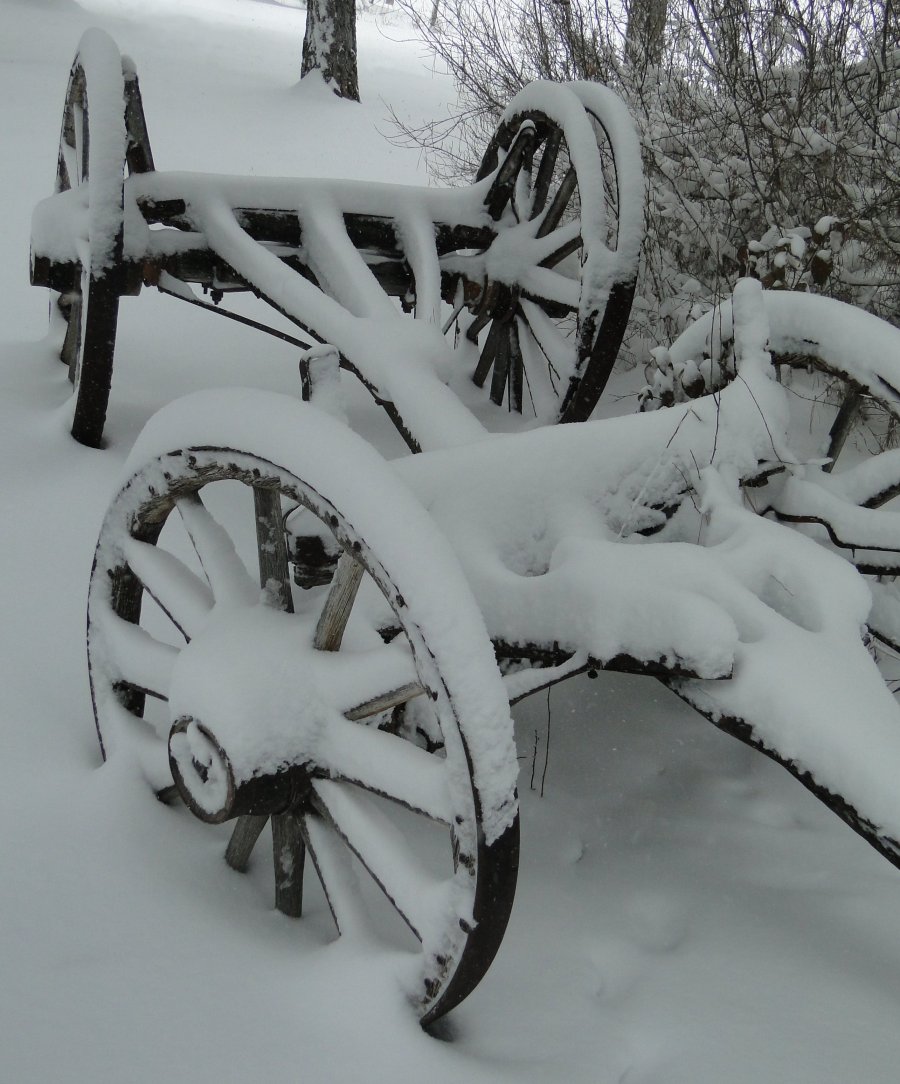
[551, 317]
[450, 872]
[93, 147]
[838, 475]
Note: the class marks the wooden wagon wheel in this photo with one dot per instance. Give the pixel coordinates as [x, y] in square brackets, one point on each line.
[103, 130]
[839, 366]
[543, 338]
[358, 796]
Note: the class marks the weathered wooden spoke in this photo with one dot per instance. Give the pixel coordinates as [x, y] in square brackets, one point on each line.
[518, 160]
[224, 570]
[488, 353]
[247, 830]
[537, 201]
[562, 198]
[179, 592]
[136, 658]
[289, 855]
[287, 841]
[336, 612]
[271, 548]
[335, 870]
[545, 172]
[516, 369]
[389, 766]
[501, 366]
[416, 894]
[552, 247]
[274, 708]
[69, 305]
[841, 427]
[546, 349]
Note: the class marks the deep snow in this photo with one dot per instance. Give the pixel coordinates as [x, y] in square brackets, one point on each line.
[686, 913]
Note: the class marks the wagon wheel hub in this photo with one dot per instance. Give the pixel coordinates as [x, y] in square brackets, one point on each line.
[242, 744]
[498, 301]
[215, 790]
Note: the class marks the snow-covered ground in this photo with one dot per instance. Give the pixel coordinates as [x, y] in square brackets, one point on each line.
[686, 913]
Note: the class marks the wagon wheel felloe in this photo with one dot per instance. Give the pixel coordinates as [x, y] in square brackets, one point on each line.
[103, 132]
[299, 733]
[539, 340]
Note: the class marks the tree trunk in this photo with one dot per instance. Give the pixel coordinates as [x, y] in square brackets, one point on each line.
[644, 33]
[329, 45]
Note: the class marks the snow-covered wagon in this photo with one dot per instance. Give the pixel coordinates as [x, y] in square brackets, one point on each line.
[283, 627]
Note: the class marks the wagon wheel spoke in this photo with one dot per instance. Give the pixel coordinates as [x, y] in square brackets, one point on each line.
[382, 702]
[551, 248]
[477, 326]
[140, 661]
[224, 570]
[289, 857]
[336, 612]
[554, 294]
[520, 199]
[336, 874]
[504, 183]
[541, 376]
[246, 832]
[544, 333]
[71, 309]
[274, 577]
[516, 369]
[559, 204]
[545, 171]
[488, 353]
[842, 425]
[271, 548]
[501, 365]
[180, 593]
[387, 765]
[569, 241]
[412, 890]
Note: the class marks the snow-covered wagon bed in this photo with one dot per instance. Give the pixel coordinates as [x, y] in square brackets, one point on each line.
[285, 628]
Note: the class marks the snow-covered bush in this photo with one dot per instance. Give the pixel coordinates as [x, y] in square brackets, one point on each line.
[769, 131]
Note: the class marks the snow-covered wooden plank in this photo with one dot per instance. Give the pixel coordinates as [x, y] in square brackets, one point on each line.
[417, 235]
[334, 258]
